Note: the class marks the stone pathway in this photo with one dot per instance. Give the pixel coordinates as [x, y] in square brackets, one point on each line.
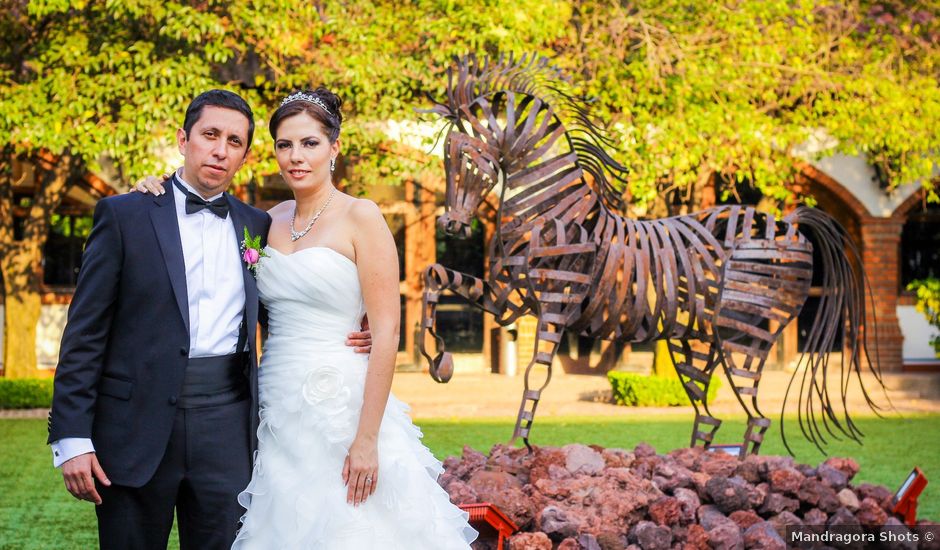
[476, 394]
[479, 394]
[23, 413]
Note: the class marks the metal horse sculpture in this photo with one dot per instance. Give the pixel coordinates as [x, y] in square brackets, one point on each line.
[712, 283]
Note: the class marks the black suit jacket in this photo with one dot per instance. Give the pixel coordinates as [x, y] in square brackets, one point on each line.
[126, 342]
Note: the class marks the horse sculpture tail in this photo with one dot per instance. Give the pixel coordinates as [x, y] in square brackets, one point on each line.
[841, 308]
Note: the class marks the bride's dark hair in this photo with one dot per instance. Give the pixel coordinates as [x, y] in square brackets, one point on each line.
[322, 104]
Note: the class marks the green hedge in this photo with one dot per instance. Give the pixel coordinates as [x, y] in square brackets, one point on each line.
[25, 393]
[639, 390]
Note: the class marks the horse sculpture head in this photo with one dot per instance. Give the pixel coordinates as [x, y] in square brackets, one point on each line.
[472, 171]
[509, 123]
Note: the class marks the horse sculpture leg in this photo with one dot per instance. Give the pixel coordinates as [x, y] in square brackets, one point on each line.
[547, 338]
[695, 362]
[759, 289]
[477, 292]
[441, 366]
[743, 366]
[558, 262]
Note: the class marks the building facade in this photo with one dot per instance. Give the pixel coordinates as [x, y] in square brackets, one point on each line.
[898, 235]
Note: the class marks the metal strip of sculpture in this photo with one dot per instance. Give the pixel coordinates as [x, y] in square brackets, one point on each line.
[710, 282]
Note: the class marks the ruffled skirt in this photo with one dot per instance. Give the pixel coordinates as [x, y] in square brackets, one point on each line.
[310, 405]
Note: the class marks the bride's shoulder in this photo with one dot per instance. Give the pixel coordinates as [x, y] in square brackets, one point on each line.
[363, 209]
[365, 216]
[280, 208]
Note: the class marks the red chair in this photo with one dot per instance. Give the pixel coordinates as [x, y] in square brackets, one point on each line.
[490, 522]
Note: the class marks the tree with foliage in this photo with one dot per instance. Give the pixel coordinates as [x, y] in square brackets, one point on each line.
[693, 89]
[928, 304]
[740, 89]
[89, 83]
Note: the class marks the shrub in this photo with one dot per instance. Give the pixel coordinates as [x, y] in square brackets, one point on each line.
[25, 393]
[639, 390]
[928, 303]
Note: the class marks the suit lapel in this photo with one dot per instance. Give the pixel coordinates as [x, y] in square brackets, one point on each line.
[166, 227]
[240, 222]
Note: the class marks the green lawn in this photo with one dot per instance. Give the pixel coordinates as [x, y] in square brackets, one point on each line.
[37, 513]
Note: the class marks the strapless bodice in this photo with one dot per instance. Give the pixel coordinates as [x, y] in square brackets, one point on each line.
[312, 296]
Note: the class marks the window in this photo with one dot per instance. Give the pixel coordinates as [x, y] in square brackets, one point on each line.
[459, 323]
[62, 256]
[396, 223]
[807, 315]
[920, 245]
[464, 255]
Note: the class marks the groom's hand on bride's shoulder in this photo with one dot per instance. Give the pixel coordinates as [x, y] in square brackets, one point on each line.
[151, 184]
[361, 341]
[79, 474]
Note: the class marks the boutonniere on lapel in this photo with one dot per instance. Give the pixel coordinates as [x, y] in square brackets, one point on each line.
[252, 252]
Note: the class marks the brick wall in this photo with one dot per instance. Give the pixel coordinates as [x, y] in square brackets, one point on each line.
[881, 245]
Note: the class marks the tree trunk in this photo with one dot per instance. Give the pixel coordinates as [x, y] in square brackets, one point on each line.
[20, 314]
[662, 361]
[21, 260]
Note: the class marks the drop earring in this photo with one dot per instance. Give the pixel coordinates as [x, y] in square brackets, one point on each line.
[332, 164]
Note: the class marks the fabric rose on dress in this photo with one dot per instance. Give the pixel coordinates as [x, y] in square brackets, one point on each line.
[322, 384]
[326, 389]
[328, 394]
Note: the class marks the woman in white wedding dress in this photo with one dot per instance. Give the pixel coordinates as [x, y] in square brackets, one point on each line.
[339, 463]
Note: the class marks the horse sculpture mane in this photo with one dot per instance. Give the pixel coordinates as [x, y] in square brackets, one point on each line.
[530, 75]
[719, 285]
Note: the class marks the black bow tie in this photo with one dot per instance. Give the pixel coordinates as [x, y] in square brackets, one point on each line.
[195, 203]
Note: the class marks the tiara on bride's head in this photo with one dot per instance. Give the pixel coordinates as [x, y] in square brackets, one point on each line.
[309, 98]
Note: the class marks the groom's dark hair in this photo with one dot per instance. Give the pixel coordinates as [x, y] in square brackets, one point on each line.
[219, 98]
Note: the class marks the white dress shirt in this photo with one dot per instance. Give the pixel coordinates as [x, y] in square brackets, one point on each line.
[215, 292]
[215, 287]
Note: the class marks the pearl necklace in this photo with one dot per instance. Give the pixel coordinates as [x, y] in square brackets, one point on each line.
[294, 235]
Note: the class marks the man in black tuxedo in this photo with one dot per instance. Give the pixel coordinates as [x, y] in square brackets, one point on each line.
[156, 396]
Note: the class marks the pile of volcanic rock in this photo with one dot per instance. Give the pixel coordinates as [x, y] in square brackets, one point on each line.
[588, 497]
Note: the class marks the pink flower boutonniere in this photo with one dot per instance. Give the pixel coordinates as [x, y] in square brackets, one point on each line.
[252, 252]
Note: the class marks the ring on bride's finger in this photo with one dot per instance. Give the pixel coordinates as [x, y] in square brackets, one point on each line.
[368, 479]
